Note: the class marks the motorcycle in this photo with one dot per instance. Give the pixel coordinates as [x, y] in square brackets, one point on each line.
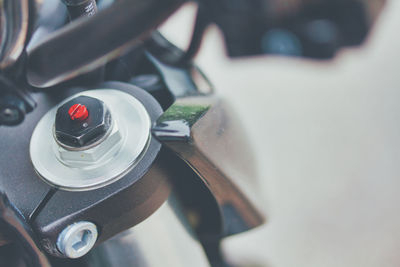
[115, 149]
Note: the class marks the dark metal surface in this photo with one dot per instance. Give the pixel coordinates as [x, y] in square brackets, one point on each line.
[16, 24]
[165, 239]
[20, 238]
[205, 134]
[16, 19]
[203, 131]
[180, 80]
[76, 9]
[86, 44]
[312, 28]
[51, 15]
[17, 176]
[12, 109]
[115, 207]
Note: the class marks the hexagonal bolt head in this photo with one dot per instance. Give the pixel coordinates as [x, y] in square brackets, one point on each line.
[80, 134]
[93, 155]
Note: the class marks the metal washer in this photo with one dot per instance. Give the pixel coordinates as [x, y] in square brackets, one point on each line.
[134, 123]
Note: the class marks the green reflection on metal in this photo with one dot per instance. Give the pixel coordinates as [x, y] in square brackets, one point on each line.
[188, 113]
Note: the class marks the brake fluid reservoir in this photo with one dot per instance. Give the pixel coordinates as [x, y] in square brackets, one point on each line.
[90, 140]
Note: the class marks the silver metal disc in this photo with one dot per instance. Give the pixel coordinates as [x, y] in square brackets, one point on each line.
[134, 124]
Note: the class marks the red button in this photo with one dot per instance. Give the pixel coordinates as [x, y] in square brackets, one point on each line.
[78, 112]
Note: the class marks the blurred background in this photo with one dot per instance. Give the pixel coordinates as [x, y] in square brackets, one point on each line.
[326, 139]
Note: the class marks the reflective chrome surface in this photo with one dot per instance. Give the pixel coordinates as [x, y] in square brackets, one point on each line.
[14, 20]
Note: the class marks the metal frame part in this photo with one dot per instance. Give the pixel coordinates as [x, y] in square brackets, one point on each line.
[58, 167]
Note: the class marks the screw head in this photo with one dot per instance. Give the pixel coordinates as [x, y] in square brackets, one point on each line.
[78, 112]
[12, 110]
[77, 239]
[9, 114]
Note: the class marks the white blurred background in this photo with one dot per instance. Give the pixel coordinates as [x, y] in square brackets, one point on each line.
[326, 136]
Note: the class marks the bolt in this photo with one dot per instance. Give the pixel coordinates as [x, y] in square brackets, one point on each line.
[81, 8]
[82, 122]
[94, 155]
[77, 239]
[12, 110]
[9, 114]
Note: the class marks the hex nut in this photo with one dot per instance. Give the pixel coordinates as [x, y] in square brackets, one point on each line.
[96, 154]
[81, 134]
